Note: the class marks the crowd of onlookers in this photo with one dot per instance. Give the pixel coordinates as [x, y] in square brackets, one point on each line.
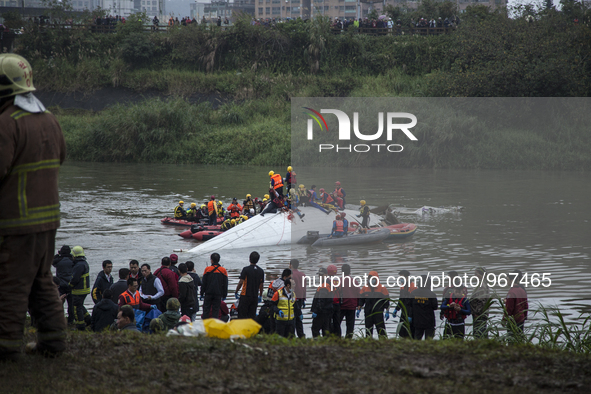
[151, 299]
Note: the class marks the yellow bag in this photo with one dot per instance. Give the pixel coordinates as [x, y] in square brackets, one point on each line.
[240, 328]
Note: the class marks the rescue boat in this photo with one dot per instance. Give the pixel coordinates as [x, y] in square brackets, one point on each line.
[181, 222]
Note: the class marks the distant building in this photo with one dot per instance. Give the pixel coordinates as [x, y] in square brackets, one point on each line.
[112, 7]
[227, 9]
[344, 8]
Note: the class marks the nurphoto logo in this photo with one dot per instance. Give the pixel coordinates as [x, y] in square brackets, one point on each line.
[344, 130]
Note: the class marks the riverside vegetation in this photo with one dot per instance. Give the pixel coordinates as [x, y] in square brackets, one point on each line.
[257, 70]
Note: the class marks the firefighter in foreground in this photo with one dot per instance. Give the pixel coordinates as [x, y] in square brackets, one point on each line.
[32, 148]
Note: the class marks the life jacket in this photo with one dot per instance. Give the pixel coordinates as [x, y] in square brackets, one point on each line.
[234, 210]
[227, 224]
[277, 181]
[248, 204]
[327, 199]
[211, 207]
[339, 192]
[220, 212]
[285, 304]
[129, 300]
[451, 313]
[290, 178]
[179, 212]
[339, 226]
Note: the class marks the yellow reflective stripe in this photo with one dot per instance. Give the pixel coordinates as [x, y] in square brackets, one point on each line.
[39, 165]
[81, 291]
[16, 113]
[41, 215]
[22, 194]
[20, 115]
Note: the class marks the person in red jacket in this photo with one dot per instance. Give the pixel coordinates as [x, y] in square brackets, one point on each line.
[170, 283]
[350, 298]
[516, 306]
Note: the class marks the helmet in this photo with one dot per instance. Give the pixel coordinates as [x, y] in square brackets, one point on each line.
[302, 187]
[248, 195]
[77, 251]
[233, 221]
[271, 173]
[362, 202]
[16, 75]
[244, 217]
[289, 168]
[181, 202]
[219, 203]
[267, 196]
[265, 199]
[193, 205]
[212, 197]
[321, 190]
[331, 269]
[337, 183]
[292, 191]
[203, 206]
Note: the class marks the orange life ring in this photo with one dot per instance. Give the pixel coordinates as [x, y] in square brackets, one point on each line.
[354, 225]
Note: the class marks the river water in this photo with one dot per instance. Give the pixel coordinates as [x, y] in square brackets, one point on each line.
[537, 222]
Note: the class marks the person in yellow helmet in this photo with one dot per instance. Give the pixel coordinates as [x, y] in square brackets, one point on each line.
[364, 213]
[248, 204]
[192, 213]
[228, 224]
[303, 197]
[179, 211]
[32, 148]
[290, 178]
[221, 209]
[276, 182]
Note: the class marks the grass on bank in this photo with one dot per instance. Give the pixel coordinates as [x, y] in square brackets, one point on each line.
[126, 362]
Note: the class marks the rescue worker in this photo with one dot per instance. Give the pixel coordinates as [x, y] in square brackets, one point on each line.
[345, 223]
[290, 178]
[335, 318]
[179, 211]
[132, 297]
[187, 293]
[340, 193]
[276, 182]
[212, 211]
[422, 312]
[292, 203]
[80, 285]
[202, 213]
[241, 219]
[327, 200]
[312, 197]
[284, 307]
[228, 224]
[276, 204]
[234, 209]
[214, 288]
[248, 204]
[405, 305]
[221, 210]
[337, 228]
[322, 306]
[374, 299]
[455, 309]
[192, 213]
[303, 197]
[32, 148]
[364, 213]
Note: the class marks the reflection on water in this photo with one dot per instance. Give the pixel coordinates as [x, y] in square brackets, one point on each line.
[532, 221]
